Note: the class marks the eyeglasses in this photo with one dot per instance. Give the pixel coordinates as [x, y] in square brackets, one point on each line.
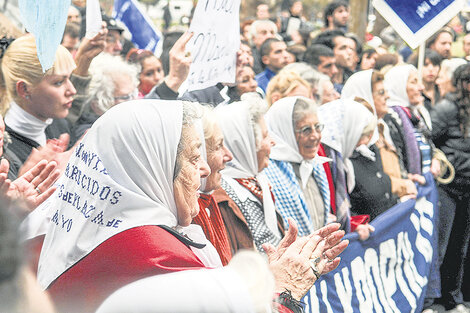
[130, 96]
[308, 130]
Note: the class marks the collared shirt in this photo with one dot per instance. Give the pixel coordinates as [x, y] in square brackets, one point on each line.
[264, 77]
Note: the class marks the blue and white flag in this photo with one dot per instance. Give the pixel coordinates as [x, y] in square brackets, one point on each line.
[144, 34]
[417, 20]
[390, 272]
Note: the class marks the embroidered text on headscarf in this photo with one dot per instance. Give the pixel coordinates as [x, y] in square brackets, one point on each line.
[92, 186]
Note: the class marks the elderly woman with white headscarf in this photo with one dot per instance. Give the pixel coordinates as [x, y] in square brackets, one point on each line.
[246, 201]
[123, 212]
[406, 100]
[296, 172]
[348, 125]
[369, 85]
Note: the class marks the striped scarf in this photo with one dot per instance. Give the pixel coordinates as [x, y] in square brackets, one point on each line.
[210, 220]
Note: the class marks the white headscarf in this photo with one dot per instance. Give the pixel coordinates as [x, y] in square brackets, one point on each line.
[395, 83]
[359, 85]
[279, 120]
[239, 138]
[123, 172]
[344, 121]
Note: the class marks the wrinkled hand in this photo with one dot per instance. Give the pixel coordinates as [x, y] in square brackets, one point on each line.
[180, 62]
[290, 261]
[364, 231]
[24, 189]
[417, 178]
[435, 167]
[411, 188]
[331, 218]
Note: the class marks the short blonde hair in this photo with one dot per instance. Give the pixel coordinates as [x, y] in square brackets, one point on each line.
[20, 63]
[283, 83]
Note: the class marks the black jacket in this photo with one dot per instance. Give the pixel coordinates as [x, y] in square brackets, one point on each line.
[448, 137]
[373, 191]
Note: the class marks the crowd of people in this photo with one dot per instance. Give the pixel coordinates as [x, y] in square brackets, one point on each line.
[120, 191]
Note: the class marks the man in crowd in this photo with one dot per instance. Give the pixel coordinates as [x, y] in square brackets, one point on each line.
[113, 39]
[466, 46]
[274, 56]
[262, 12]
[336, 15]
[344, 52]
[260, 31]
[322, 58]
[71, 38]
[441, 42]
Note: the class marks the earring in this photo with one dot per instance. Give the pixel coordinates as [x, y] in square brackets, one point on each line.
[28, 97]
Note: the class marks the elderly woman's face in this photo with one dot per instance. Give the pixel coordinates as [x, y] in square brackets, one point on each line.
[217, 156]
[380, 96]
[414, 89]
[265, 146]
[188, 181]
[308, 136]
[443, 82]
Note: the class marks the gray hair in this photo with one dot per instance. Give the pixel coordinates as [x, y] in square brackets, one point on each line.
[257, 107]
[103, 70]
[255, 24]
[192, 112]
[302, 107]
[450, 65]
[321, 79]
[306, 71]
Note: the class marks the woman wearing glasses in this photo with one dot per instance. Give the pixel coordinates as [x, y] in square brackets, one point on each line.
[296, 173]
[113, 81]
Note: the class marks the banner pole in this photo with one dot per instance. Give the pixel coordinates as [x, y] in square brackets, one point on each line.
[422, 48]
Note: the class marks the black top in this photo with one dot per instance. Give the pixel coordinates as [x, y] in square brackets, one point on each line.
[373, 191]
[21, 146]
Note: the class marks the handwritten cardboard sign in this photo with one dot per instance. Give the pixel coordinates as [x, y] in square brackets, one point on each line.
[215, 43]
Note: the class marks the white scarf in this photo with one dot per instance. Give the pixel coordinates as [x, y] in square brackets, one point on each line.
[360, 85]
[129, 156]
[26, 124]
[344, 121]
[395, 83]
[279, 120]
[239, 138]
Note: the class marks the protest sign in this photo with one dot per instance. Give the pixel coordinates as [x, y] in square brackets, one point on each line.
[144, 34]
[389, 272]
[417, 20]
[46, 21]
[215, 43]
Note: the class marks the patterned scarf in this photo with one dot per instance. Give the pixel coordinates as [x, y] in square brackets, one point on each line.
[411, 145]
[254, 187]
[210, 220]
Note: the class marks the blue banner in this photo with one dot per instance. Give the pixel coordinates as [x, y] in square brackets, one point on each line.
[417, 13]
[392, 270]
[144, 34]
